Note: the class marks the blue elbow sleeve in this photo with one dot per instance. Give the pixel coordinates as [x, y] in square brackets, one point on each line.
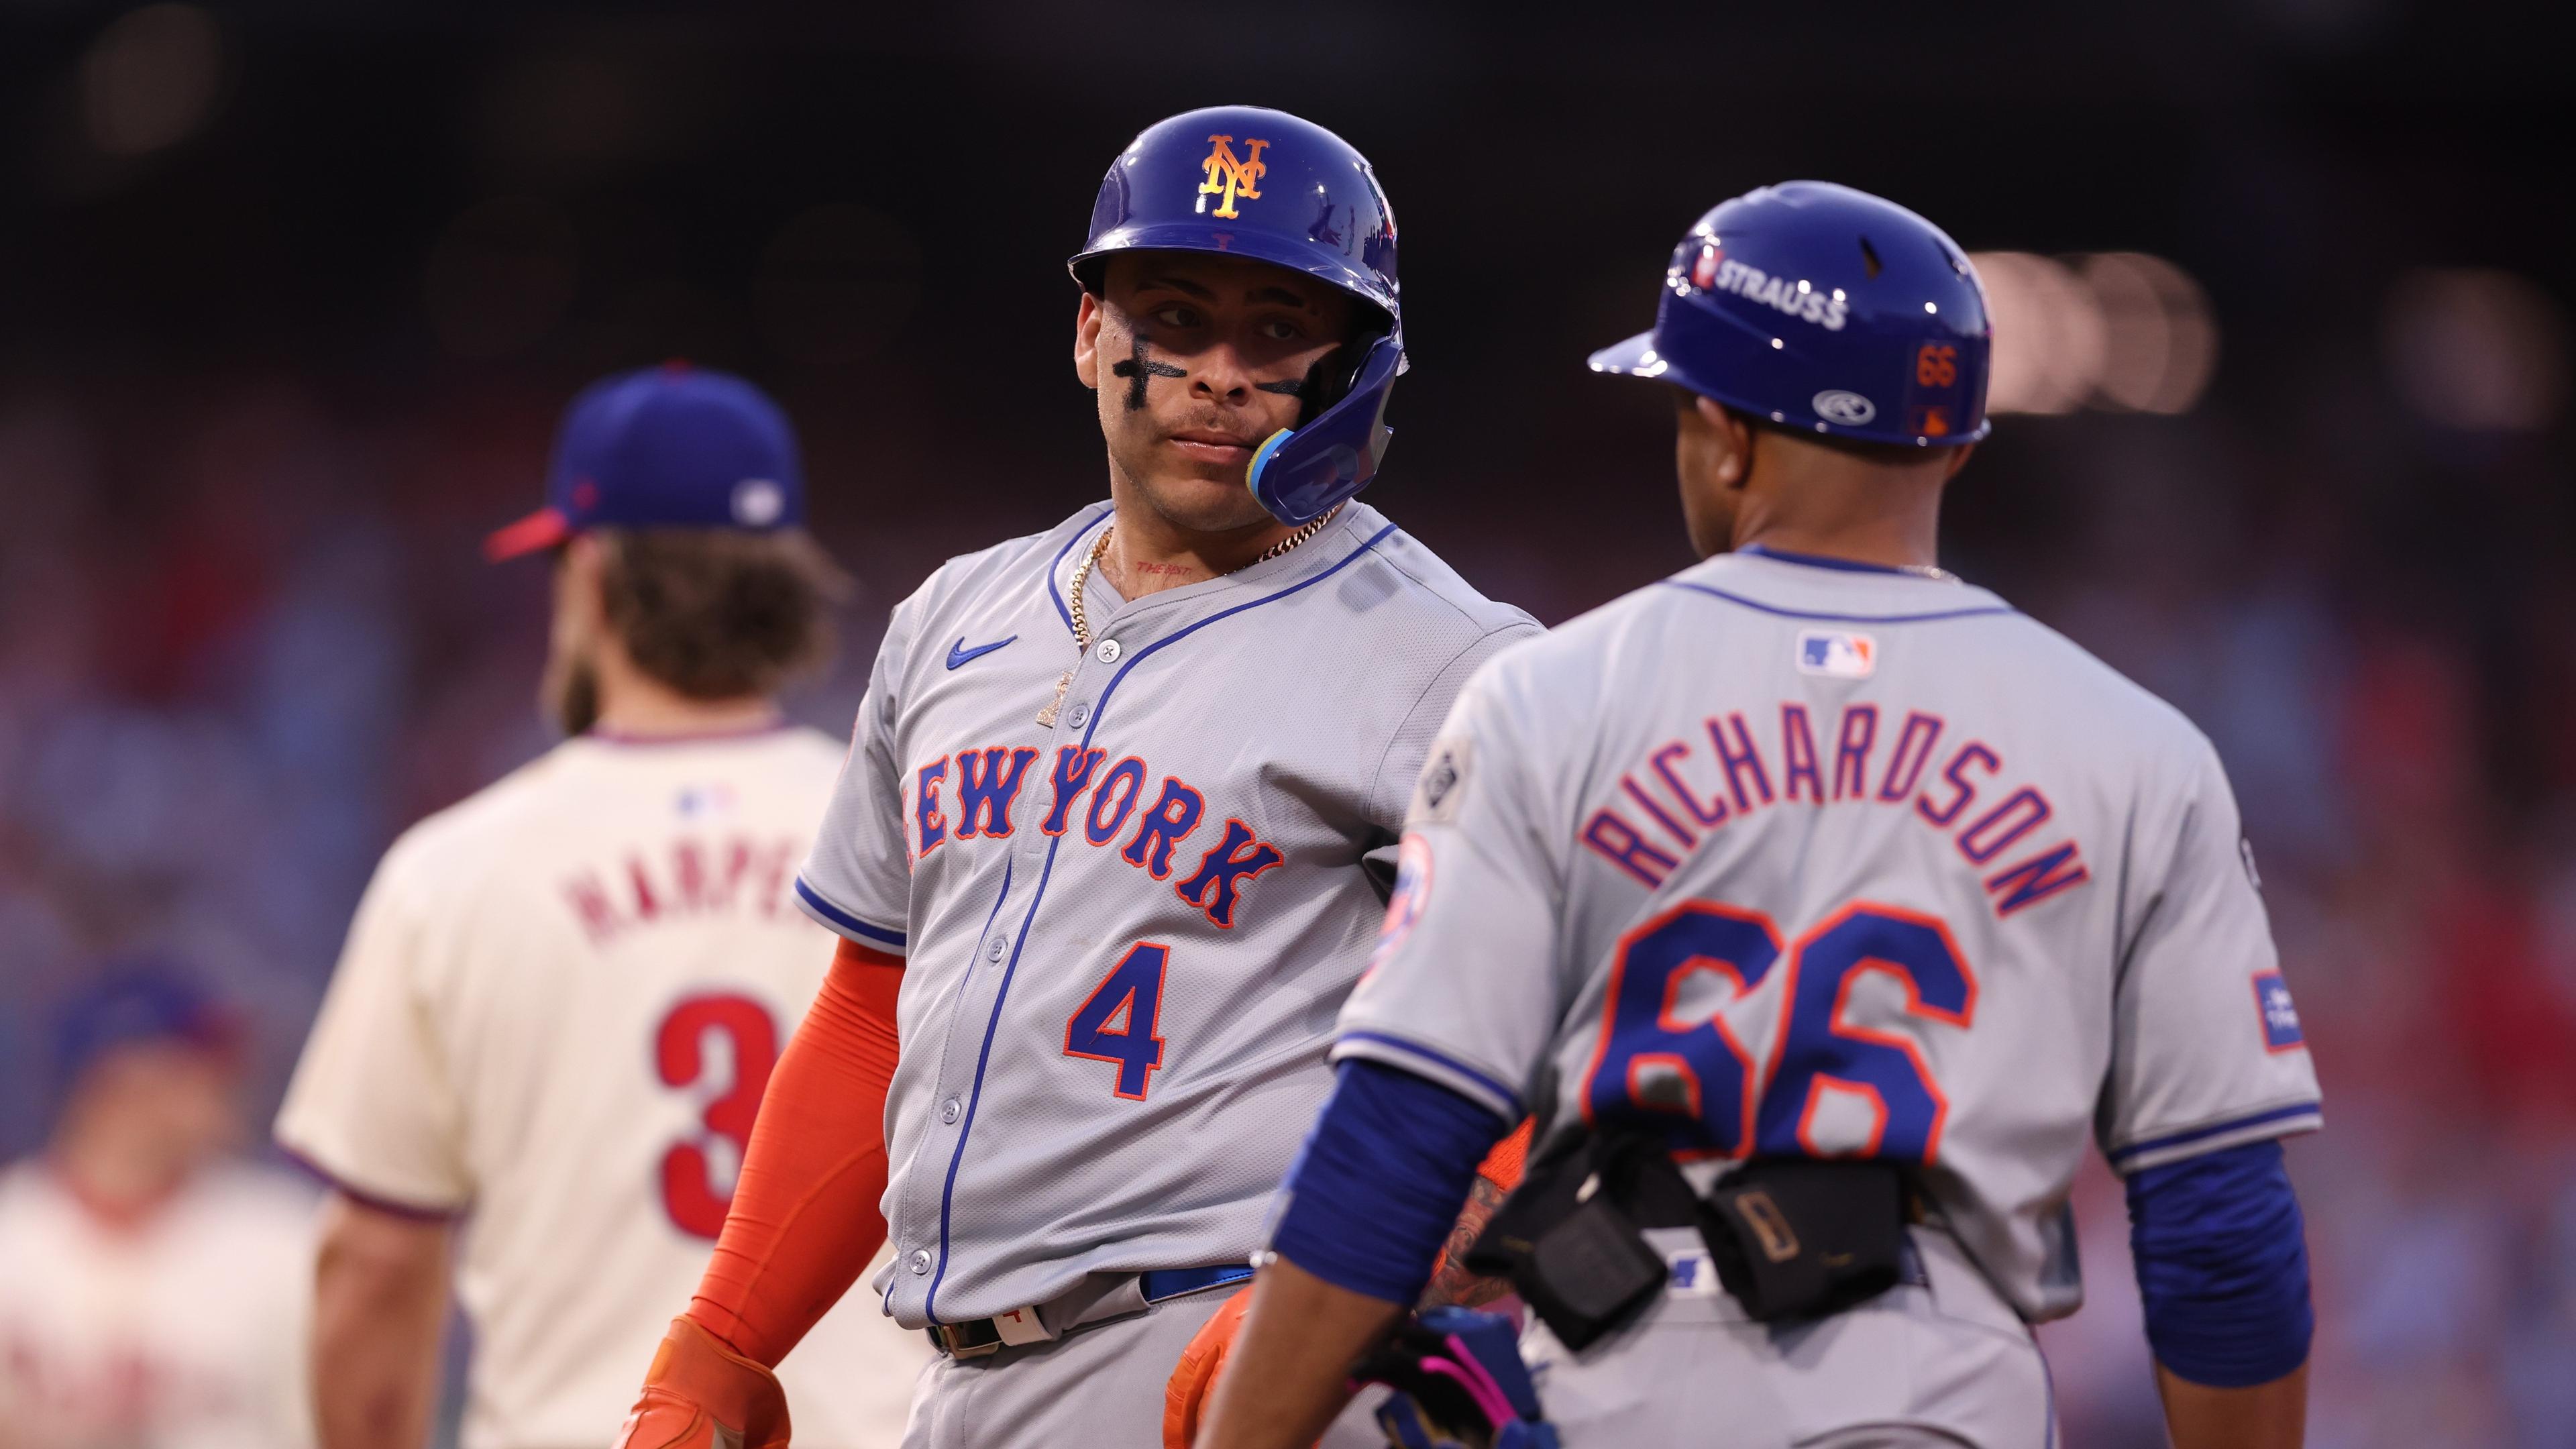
[1379, 1183]
[2222, 1264]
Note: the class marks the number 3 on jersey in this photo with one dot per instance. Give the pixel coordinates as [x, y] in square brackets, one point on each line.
[1668, 1057]
[692, 1193]
[1118, 1022]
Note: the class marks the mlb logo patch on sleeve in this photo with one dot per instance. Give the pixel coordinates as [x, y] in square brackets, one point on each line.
[1836, 653]
[2280, 1014]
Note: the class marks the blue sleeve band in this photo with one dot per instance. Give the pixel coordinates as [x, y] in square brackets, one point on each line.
[1379, 1183]
[2222, 1264]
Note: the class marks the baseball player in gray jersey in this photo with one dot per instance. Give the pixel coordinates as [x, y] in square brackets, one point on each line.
[1820, 905]
[1114, 836]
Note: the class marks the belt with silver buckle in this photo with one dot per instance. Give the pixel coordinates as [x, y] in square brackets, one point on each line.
[977, 1337]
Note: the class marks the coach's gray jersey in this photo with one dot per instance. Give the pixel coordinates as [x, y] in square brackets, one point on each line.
[1789, 857]
[1129, 933]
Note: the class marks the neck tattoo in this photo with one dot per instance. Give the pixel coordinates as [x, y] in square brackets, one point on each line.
[1091, 560]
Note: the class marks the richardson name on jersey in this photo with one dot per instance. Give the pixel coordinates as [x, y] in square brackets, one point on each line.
[1689, 787]
[988, 784]
[686, 878]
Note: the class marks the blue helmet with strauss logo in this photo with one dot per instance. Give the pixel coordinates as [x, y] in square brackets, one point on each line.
[1250, 182]
[1826, 310]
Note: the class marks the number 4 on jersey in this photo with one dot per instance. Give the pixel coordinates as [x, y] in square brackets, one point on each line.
[1118, 1023]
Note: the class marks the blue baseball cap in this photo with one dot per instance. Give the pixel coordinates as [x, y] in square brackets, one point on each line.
[135, 1001]
[673, 446]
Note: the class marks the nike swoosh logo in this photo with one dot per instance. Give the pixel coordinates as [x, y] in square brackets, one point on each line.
[959, 655]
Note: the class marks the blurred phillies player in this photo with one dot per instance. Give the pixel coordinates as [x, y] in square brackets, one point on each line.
[1113, 838]
[152, 1293]
[561, 999]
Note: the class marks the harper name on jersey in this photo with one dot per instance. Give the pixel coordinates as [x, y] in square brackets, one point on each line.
[1127, 931]
[1663, 811]
[685, 878]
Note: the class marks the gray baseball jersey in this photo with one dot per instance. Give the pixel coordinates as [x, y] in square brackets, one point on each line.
[1128, 932]
[1790, 856]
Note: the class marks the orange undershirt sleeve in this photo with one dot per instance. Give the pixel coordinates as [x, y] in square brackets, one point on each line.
[805, 1217]
[1502, 1166]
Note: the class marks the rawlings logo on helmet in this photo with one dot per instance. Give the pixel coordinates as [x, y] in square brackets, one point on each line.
[1850, 409]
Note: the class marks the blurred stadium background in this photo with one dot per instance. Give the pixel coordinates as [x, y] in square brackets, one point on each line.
[291, 292]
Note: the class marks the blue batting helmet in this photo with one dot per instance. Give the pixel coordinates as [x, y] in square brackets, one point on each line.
[1249, 182]
[1826, 310]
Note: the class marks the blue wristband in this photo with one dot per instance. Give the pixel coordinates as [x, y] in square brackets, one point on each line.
[2222, 1264]
[1379, 1183]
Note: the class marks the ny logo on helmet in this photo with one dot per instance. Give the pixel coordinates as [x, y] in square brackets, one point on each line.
[1230, 177]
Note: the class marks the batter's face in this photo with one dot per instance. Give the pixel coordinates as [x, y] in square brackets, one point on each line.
[1196, 360]
[1712, 456]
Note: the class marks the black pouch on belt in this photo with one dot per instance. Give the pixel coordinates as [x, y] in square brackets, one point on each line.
[1795, 1237]
[1568, 1236]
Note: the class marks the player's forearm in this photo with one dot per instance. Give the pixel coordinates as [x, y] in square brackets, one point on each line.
[2266, 1416]
[1453, 1284]
[2221, 1257]
[804, 1220]
[1290, 1372]
[380, 1298]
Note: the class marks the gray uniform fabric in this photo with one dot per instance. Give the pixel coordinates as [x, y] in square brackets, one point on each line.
[1789, 857]
[1128, 934]
[1943, 1362]
[1101, 1385]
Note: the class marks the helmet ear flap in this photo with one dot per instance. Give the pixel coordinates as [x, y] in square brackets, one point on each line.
[1301, 472]
[1330, 379]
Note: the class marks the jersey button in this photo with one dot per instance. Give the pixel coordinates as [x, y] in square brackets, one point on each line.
[921, 1260]
[1077, 715]
[948, 1110]
[1108, 651]
[995, 948]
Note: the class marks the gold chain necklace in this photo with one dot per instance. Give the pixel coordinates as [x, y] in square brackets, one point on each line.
[1091, 560]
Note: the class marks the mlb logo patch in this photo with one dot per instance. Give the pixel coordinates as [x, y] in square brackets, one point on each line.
[702, 800]
[2280, 1014]
[1837, 653]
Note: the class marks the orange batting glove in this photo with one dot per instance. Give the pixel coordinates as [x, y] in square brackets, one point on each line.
[1193, 1384]
[701, 1394]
